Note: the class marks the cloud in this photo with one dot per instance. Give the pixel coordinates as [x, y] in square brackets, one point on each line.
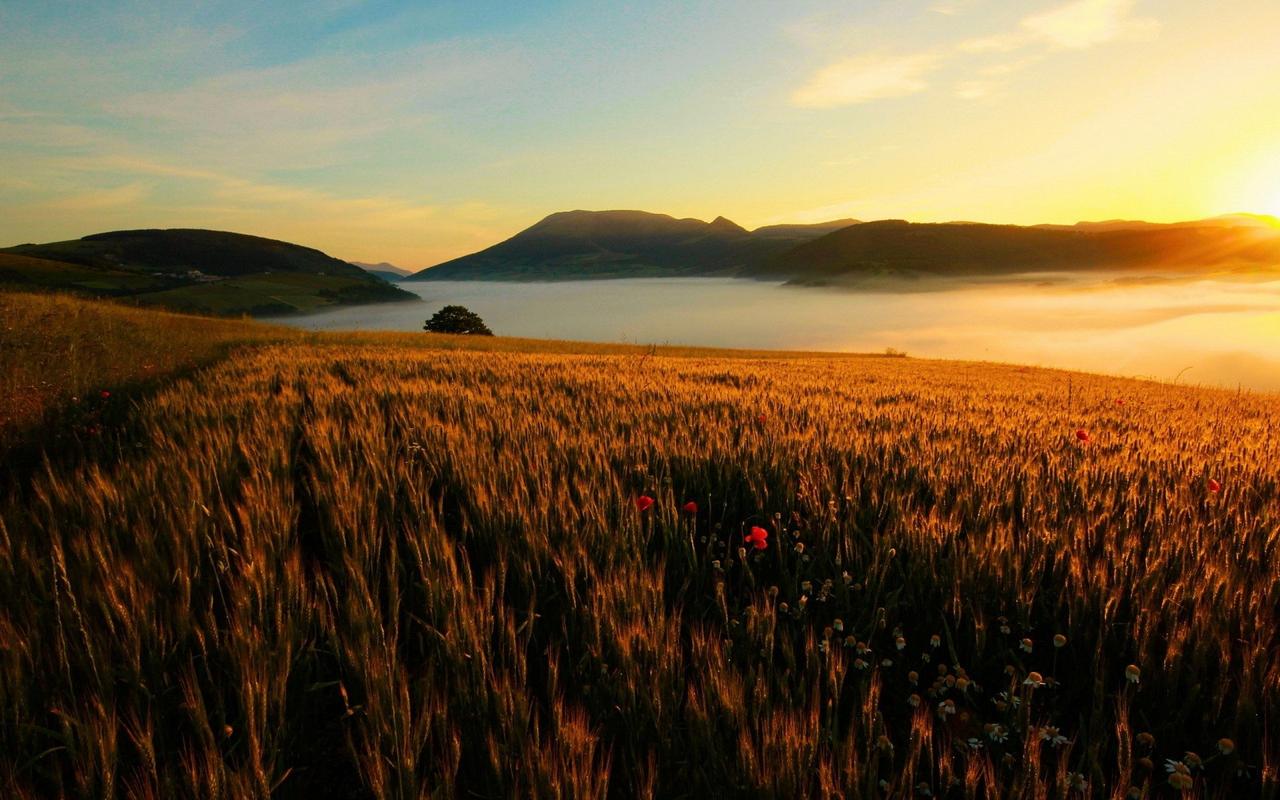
[98, 199]
[864, 78]
[1085, 23]
[975, 90]
[1076, 25]
[951, 8]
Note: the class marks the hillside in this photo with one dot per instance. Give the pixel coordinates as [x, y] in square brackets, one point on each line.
[195, 270]
[397, 566]
[898, 248]
[623, 244]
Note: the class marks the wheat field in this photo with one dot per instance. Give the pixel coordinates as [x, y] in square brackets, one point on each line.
[364, 570]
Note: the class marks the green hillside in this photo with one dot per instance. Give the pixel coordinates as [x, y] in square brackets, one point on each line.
[195, 270]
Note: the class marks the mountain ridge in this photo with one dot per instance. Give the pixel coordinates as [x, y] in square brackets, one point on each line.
[580, 244]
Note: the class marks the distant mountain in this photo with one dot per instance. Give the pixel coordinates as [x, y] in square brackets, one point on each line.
[196, 270]
[624, 244]
[383, 269]
[802, 232]
[895, 247]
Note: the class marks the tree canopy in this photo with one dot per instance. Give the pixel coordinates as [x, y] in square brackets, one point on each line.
[457, 319]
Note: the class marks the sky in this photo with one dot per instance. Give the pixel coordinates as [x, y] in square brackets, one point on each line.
[414, 132]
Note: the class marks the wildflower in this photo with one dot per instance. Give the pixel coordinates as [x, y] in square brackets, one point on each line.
[859, 664]
[644, 502]
[1076, 781]
[1146, 740]
[946, 708]
[1192, 760]
[1053, 736]
[888, 662]
[1171, 766]
[962, 683]
[996, 732]
[1132, 674]
[883, 743]
[104, 394]
[1059, 641]
[822, 646]
[1034, 679]
[900, 643]
[838, 624]
[690, 508]
[884, 785]
[935, 641]
[1179, 775]
[759, 537]
[1005, 629]
[1119, 402]
[1082, 435]
[1214, 486]
[974, 744]
[1226, 746]
[914, 701]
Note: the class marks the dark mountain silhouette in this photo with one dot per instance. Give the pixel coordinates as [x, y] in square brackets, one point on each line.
[384, 269]
[895, 247]
[197, 270]
[623, 244]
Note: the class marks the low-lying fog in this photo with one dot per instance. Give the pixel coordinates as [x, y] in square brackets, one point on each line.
[1212, 332]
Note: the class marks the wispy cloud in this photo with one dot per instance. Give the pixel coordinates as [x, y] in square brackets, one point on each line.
[864, 78]
[1086, 23]
[1076, 25]
[98, 199]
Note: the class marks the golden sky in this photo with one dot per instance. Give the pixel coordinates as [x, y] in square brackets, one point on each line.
[415, 132]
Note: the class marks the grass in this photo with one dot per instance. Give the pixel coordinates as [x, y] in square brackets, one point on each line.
[410, 566]
[59, 354]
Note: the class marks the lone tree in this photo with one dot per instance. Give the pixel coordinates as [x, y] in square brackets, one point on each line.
[457, 319]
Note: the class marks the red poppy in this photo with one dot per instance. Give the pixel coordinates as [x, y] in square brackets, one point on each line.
[761, 418]
[759, 537]
[1120, 402]
[1082, 435]
[1214, 486]
[644, 502]
[105, 394]
[690, 507]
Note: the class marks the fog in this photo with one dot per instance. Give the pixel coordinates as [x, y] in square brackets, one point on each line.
[1209, 332]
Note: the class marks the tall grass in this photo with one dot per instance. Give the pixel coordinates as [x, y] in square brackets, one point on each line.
[374, 571]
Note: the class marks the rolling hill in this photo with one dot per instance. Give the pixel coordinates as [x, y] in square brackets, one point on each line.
[898, 248]
[573, 245]
[196, 270]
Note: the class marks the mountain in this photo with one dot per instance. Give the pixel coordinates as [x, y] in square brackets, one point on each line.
[196, 270]
[899, 248]
[572, 245]
[802, 232]
[384, 270]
